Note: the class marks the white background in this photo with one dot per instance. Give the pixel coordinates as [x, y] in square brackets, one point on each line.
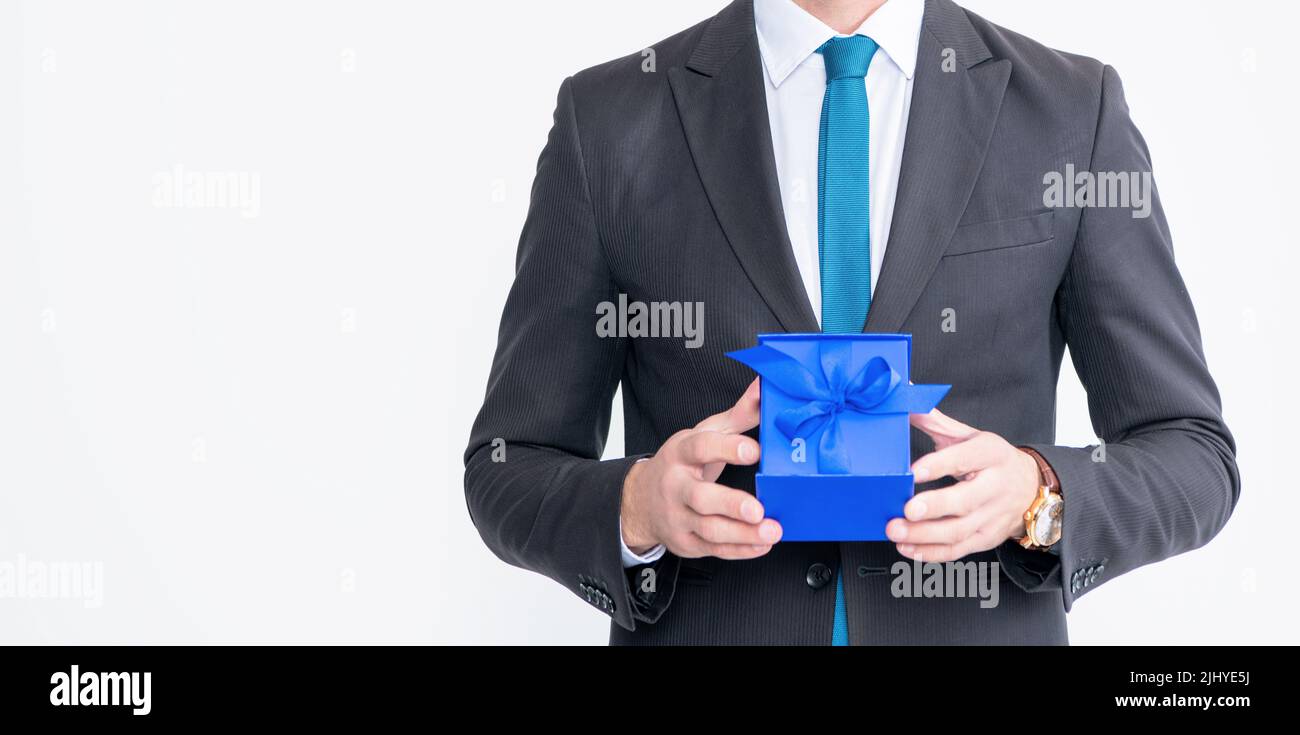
[255, 423]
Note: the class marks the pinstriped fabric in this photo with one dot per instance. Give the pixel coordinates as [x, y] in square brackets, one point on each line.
[843, 190]
[662, 186]
[723, 37]
[949, 22]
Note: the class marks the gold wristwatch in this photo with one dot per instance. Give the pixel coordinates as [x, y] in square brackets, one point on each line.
[1043, 520]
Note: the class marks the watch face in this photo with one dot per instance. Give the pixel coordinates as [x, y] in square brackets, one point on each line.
[1047, 523]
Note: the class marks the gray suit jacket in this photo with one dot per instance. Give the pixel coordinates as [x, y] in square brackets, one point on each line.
[661, 185]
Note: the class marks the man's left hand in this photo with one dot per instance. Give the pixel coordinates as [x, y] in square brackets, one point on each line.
[996, 485]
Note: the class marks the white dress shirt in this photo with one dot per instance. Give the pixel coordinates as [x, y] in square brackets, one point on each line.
[788, 39]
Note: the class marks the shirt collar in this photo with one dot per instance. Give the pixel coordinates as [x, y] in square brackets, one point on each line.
[788, 34]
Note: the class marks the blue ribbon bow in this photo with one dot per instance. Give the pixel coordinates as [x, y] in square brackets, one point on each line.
[875, 389]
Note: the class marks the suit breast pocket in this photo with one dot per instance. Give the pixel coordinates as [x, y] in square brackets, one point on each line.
[1017, 232]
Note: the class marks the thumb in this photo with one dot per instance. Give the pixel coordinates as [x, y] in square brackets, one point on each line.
[739, 418]
[942, 428]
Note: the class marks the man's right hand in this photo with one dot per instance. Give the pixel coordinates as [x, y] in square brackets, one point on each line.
[673, 499]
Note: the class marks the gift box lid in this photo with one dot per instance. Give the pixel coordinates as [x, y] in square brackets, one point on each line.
[836, 403]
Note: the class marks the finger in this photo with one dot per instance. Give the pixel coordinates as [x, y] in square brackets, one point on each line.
[954, 501]
[979, 541]
[961, 459]
[723, 530]
[950, 530]
[700, 448]
[730, 552]
[942, 428]
[712, 499]
[739, 418]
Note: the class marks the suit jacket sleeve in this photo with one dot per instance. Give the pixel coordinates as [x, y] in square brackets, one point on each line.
[1166, 479]
[536, 488]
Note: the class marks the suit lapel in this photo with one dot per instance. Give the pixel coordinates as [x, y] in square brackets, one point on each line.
[949, 127]
[722, 102]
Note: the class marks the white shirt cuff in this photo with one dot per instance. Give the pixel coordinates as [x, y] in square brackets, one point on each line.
[630, 559]
[633, 560]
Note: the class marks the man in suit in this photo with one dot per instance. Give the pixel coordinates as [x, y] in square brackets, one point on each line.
[845, 165]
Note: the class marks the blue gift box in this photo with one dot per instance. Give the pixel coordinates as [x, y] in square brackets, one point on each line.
[836, 460]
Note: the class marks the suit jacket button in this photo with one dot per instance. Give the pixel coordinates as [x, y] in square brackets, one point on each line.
[819, 575]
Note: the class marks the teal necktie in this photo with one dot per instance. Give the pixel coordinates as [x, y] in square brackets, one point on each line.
[844, 212]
